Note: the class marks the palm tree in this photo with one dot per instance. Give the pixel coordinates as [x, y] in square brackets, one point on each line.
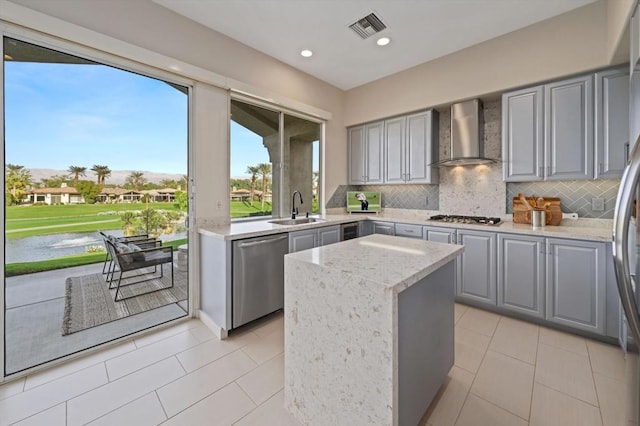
[76, 172]
[102, 173]
[253, 171]
[17, 180]
[136, 180]
[265, 170]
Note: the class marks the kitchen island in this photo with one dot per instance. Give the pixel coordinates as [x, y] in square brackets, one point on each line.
[369, 329]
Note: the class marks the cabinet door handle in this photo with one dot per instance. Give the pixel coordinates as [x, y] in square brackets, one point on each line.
[626, 153]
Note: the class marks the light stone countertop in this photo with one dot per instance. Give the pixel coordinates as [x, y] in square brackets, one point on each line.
[395, 263]
[581, 229]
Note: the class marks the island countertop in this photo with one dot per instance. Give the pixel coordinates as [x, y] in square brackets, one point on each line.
[392, 262]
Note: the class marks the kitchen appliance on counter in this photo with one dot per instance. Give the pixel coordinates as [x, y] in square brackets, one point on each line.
[479, 220]
[625, 237]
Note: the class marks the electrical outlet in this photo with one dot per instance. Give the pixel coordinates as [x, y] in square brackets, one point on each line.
[597, 204]
[219, 204]
[426, 201]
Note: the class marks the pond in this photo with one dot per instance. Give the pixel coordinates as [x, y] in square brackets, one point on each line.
[44, 247]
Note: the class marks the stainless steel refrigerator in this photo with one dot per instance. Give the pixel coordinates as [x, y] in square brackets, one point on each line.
[625, 236]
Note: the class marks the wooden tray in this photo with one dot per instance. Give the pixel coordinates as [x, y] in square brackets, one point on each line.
[521, 214]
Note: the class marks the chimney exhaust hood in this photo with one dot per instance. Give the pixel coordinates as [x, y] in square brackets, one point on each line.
[467, 135]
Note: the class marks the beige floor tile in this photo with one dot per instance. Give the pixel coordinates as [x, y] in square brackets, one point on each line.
[144, 411]
[470, 348]
[165, 333]
[91, 405]
[568, 342]
[55, 416]
[607, 359]
[265, 381]
[140, 358]
[446, 405]
[271, 412]
[201, 383]
[211, 350]
[518, 339]
[266, 347]
[224, 407]
[505, 382]
[78, 364]
[11, 388]
[203, 333]
[566, 372]
[611, 398]
[480, 321]
[458, 311]
[269, 325]
[33, 401]
[478, 412]
[553, 408]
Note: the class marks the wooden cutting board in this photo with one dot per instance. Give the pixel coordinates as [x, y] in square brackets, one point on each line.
[553, 213]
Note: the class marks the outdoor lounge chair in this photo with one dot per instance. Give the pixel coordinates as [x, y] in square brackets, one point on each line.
[141, 240]
[129, 258]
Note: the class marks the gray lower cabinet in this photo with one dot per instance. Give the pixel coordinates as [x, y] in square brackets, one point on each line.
[521, 274]
[387, 228]
[576, 284]
[310, 238]
[477, 266]
[439, 235]
[408, 230]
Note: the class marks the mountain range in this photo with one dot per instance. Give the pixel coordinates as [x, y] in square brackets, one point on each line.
[117, 177]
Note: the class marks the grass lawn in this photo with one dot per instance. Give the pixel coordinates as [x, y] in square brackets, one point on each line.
[247, 209]
[76, 210]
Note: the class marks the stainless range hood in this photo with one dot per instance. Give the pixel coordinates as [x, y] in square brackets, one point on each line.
[467, 135]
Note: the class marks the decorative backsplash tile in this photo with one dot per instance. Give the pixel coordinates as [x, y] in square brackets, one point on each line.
[575, 196]
[414, 197]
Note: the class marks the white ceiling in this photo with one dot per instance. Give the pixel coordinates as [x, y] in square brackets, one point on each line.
[420, 30]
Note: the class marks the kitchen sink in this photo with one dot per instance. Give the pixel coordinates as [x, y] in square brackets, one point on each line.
[298, 221]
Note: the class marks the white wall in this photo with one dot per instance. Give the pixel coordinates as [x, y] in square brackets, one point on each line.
[567, 44]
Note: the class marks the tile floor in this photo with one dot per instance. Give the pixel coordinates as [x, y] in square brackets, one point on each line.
[507, 372]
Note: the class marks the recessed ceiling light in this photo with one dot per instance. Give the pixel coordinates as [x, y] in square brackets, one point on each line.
[383, 41]
[306, 53]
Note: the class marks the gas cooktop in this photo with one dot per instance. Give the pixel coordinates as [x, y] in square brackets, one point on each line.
[480, 220]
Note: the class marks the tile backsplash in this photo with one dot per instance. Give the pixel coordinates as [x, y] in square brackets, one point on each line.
[575, 196]
[479, 190]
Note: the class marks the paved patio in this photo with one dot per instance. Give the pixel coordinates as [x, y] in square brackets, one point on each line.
[34, 312]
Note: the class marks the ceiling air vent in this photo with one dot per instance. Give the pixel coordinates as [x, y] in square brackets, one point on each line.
[368, 26]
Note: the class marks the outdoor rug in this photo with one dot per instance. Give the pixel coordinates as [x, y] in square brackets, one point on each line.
[89, 301]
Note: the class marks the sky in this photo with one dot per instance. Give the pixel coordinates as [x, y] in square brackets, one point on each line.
[59, 115]
[62, 115]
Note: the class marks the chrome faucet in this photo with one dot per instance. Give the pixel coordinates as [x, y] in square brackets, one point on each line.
[294, 210]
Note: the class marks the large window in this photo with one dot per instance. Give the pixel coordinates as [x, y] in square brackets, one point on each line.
[272, 154]
[90, 150]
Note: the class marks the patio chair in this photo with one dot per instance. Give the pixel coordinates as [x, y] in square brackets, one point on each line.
[130, 257]
[141, 240]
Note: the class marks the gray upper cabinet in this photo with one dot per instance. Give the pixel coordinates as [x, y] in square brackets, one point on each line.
[366, 153]
[612, 122]
[477, 266]
[521, 274]
[576, 284]
[395, 150]
[522, 135]
[422, 147]
[569, 129]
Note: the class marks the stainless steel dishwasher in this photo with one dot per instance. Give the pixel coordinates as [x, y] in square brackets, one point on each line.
[258, 277]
